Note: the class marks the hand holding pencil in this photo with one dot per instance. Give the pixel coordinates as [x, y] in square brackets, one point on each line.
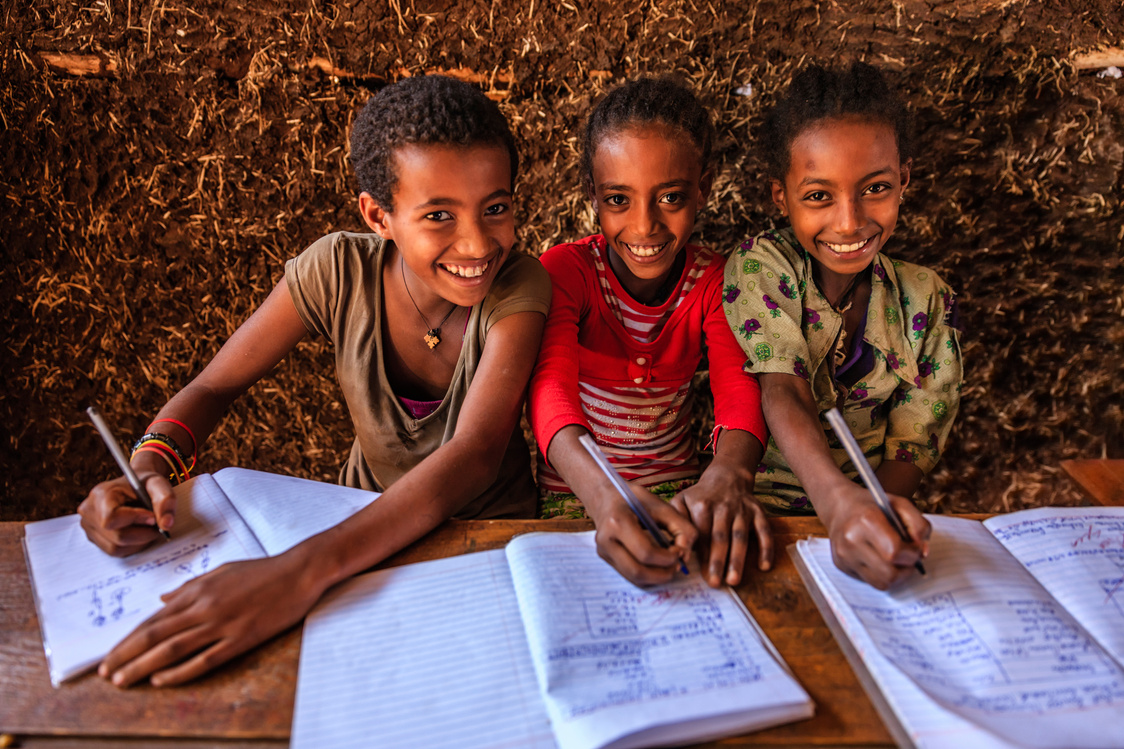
[110, 514]
[875, 536]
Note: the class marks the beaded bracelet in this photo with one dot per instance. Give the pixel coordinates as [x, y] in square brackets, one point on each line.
[174, 476]
[167, 452]
[170, 444]
[184, 427]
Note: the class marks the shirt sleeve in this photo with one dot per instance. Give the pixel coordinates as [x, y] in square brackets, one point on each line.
[314, 281]
[554, 401]
[922, 412]
[522, 285]
[763, 306]
[737, 394]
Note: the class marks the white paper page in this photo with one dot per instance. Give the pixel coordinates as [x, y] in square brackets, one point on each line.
[427, 655]
[928, 724]
[282, 511]
[1077, 553]
[88, 601]
[986, 641]
[677, 663]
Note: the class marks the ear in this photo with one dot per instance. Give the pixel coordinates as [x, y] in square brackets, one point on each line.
[905, 167]
[375, 215]
[706, 181]
[779, 198]
[591, 194]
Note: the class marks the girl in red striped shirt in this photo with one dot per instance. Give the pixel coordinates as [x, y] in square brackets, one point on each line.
[635, 311]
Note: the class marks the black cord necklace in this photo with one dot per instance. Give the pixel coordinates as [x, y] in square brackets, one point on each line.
[432, 336]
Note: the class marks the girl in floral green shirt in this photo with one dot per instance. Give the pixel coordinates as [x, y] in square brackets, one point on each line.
[827, 320]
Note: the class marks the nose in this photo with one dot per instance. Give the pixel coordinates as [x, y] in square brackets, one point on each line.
[474, 241]
[849, 216]
[645, 219]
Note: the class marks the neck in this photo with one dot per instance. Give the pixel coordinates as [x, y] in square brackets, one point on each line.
[650, 292]
[838, 289]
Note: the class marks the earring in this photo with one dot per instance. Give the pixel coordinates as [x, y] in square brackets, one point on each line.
[901, 197]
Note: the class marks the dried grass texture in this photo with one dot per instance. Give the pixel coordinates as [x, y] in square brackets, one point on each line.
[161, 162]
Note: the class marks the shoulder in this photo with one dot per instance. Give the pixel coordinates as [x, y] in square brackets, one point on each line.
[341, 249]
[917, 286]
[521, 275]
[570, 257]
[769, 251]
[522, 285]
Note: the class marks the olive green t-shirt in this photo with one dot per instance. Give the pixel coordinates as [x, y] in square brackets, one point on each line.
[336, 285]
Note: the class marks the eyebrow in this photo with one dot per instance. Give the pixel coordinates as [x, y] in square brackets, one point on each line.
[626, 188]
[441, 202]
[818, 181]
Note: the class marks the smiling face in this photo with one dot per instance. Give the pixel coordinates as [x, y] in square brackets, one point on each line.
[452, 223]
[841, 192]
[647, 186]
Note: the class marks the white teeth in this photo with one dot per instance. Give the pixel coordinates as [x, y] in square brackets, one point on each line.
[644, 250]
[845, 248]
[466, 271]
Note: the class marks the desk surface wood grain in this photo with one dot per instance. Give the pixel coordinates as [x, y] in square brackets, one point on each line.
[1102, 481]
[252, 697]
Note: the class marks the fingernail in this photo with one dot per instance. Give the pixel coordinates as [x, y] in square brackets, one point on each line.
[103, 671]
[118, 679]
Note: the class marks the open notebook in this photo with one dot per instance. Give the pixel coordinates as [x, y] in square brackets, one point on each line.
[88, 601]
[539, 644]
[1014, 638]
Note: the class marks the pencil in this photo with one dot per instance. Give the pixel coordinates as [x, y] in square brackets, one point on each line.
[625, 491]
[872, 483]
[123, 463]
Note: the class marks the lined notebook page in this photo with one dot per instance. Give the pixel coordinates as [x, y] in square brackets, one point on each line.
[986, 641]
[282, 511]
[682, 661]
[88, 601]
[1077, 553]
[427, 655]
[927, 724]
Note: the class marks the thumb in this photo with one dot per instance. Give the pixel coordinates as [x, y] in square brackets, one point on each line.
[163, 500]
[916, 525]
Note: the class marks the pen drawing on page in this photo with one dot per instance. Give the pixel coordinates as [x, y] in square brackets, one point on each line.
[630, 642]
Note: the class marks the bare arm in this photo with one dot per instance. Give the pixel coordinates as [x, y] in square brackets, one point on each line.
[621, 540]
[254, 349]
[234, 608]
[863, 543]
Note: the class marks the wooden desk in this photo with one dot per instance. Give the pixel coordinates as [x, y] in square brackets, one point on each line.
[249, 702]
[1102, 481]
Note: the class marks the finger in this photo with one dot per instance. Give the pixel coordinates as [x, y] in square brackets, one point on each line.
[918, 527]
[163, 500]
[199, 664]
[739, 549]
[167, 651]
[164, 623]
[719, 534]
[622, 560]
[682, 530]
[765, 547]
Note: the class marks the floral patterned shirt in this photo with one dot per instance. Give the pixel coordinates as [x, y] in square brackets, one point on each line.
[902, 409]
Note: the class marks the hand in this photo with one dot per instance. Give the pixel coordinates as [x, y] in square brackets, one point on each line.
[114, 522]
[211, 619]
[623, 542]
[866, 546]
[722, 507]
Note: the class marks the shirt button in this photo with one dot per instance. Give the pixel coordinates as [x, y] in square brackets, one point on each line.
[638, 380]
[641, 360]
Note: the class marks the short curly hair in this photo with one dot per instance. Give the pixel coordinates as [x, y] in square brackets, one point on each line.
[426, 110]
[818, 93]
[645, 101]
